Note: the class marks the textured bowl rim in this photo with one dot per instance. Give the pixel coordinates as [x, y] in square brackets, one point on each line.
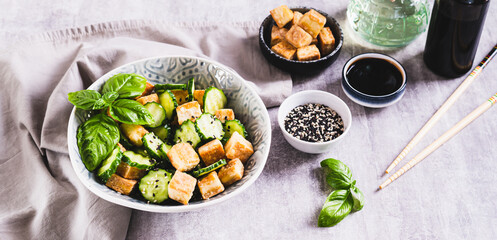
[329, 55]
[385, 57]
[299, 95]
[166, 208]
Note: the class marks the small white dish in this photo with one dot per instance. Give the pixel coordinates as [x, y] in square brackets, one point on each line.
[314, 96]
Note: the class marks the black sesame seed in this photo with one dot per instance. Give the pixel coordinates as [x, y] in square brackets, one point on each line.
[314, 123]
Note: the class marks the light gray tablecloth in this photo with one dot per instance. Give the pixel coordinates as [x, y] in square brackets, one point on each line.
[450, 195]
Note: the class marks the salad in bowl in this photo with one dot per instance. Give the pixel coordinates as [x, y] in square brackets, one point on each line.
[168, 134]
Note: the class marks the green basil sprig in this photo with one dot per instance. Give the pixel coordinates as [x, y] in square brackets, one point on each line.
[130, 112]
[335, 209]
[339, 175]
[126, 85]
[96, 138]
[345, 198]
[87, 99]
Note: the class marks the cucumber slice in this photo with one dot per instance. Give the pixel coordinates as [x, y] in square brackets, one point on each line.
[210, 168]
[109, 165]
[191, 88]
[214, 99]
[168, 102]
[153, 186]
[153, 144]
[158, 113]
[163, 132]
[138, 160]
[209, 127]
[169, 86]
[187, 134]
[232, 126]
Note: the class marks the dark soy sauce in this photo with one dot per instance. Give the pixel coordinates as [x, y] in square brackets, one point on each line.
[453, 36]
[374, 76]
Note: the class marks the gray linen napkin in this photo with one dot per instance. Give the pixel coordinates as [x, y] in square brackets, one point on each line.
[41, 197]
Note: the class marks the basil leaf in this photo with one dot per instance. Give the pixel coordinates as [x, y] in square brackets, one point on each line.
[337, 206]
[357, 197]
[110, 97]
[96, 138]
[339, 175]
[126, 85]
[130, 112]
[87, 100]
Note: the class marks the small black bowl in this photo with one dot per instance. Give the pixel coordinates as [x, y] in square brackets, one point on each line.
[294, 66]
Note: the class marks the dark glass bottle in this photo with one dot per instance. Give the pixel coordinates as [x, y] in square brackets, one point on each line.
[453, 36]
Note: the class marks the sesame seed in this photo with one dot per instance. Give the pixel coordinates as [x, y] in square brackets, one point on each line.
[314, 123]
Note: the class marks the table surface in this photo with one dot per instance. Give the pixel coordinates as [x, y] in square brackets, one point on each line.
[450, 195]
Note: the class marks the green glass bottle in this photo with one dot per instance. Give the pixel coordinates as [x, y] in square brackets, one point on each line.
[388, 23]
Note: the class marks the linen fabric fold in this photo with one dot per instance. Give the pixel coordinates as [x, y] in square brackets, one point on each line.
[41, 195]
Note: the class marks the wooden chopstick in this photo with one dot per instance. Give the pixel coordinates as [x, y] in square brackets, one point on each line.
[444, 138]
[445, 106]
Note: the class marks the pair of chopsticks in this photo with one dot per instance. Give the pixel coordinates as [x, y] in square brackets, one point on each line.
[434, 119]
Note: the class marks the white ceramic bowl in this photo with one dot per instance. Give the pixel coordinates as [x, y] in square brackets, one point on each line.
[314, 96]
[248, 107]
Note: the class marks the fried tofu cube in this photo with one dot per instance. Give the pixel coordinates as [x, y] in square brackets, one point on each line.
[134, 133]
[298, 37]
[183, 157]
[189, 110]
[308, 53]
[149, 98]
[180, 95]
[181, 187]
[225, 114]
[198, 95]
[312, 22]
[238, 147]
[296, 17]
[326, 41]
[282, 15]
[210, 185]
[277, 34]
[211, 152]
[126, 171]
[284, 49]
[120, 184]
[148, 89]
[231, 172]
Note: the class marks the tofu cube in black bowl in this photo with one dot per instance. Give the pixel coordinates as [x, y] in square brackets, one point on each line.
[283, 51]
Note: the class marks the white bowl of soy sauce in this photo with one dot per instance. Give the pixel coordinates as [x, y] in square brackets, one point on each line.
[374, 80]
